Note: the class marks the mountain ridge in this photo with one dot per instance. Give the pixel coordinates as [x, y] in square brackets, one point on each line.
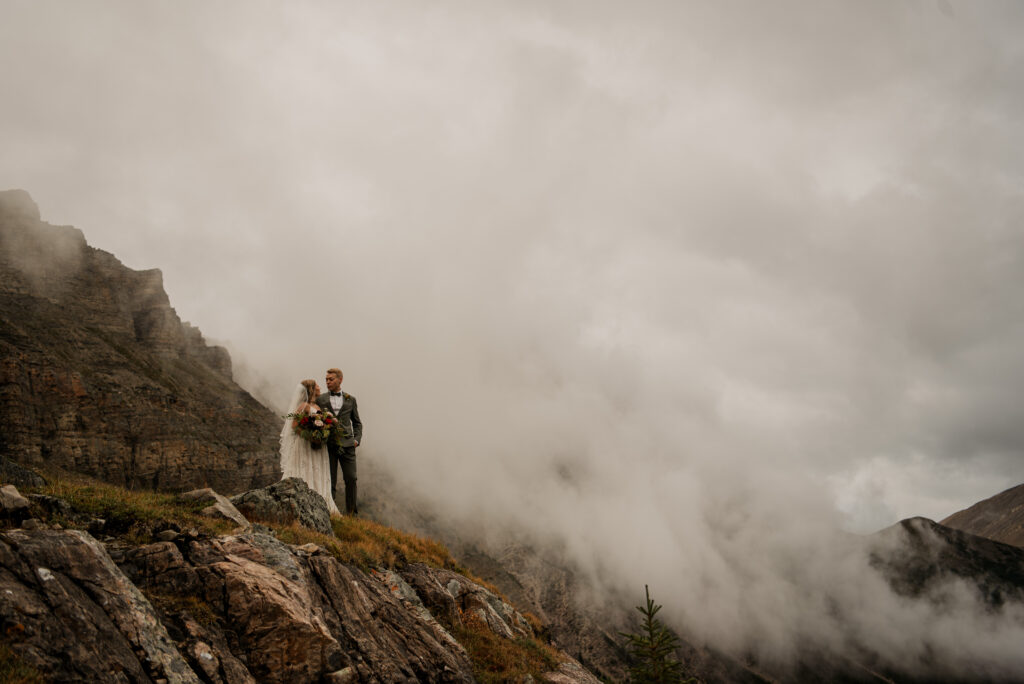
[999, 517]
[99, 375]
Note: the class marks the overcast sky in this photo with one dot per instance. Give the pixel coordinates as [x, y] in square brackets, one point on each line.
[580, 261]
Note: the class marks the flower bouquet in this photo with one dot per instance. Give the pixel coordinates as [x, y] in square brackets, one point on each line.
[315, 428]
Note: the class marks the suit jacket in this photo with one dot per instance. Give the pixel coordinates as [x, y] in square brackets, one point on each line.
[348, 418]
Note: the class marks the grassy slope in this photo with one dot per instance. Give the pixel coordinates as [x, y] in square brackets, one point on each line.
[136, 516]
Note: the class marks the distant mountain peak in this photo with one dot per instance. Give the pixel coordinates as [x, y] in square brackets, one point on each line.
[19, 202]
[1000, 517]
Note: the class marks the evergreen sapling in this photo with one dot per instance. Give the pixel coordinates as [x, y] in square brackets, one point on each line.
[652, 651]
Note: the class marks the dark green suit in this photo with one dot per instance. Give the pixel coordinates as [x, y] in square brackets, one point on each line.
[345, 453]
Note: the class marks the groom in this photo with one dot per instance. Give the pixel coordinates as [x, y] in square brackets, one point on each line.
[343, 406]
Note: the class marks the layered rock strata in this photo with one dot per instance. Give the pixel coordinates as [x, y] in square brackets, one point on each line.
[98, 374]
[236, 609]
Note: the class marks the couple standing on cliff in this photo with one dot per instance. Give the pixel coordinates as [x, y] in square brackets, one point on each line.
[331, 417]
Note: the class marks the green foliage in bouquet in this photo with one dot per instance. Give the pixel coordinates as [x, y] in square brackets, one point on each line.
[316, 428]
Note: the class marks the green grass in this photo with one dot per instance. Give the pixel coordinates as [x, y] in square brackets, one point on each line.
[368, 545]
[134, 514]
[131, 514]
[497, 659]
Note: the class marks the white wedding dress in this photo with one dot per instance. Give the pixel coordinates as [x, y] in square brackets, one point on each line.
[299, 459]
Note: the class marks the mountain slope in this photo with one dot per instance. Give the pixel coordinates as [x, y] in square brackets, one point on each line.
[1000, 517]
[927, 565]
[917, 554]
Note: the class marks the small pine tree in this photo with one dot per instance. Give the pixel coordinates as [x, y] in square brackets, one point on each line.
[653, 650]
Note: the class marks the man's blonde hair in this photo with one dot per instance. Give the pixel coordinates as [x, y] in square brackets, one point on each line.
[336, 371]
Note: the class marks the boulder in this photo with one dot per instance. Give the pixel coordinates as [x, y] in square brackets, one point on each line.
[287, 501]
[220, 506]
[12, 503]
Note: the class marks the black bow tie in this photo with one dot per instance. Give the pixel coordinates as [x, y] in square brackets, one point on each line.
[335, 394]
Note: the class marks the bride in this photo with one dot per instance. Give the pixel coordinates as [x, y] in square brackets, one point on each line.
[298, 458]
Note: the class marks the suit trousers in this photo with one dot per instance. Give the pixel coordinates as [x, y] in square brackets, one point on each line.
[347, 457]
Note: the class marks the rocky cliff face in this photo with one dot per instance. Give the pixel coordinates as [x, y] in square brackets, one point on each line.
[99, 375]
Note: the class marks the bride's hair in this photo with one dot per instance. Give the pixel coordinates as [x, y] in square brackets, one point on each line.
[310, 386]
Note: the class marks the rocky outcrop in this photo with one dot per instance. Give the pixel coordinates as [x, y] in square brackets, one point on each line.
[98, 374]
[571, 672]
[290, 500]
[452, 596]
[219, 506]
[74, 615]
[12, 503]
[235, 609]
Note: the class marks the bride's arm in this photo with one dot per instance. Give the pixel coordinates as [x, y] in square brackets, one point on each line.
[304, 407]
